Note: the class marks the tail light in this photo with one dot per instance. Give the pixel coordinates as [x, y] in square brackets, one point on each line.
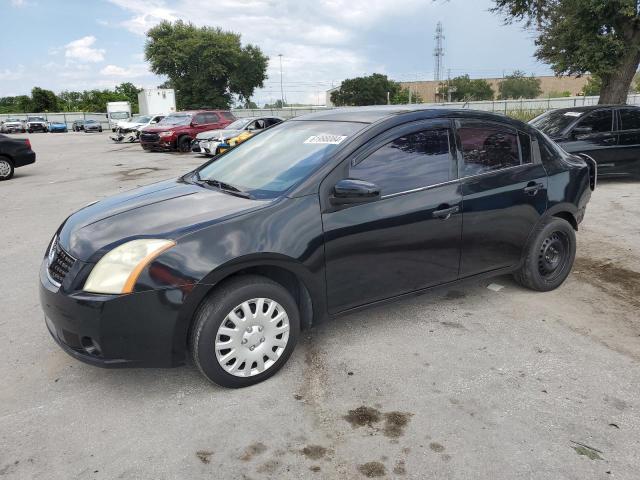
[28, 142]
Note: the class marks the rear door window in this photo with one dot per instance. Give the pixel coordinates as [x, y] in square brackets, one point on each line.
[488, 147]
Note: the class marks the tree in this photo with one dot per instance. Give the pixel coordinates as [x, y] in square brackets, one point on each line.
[43, 100]
[575, 37]
[518, 85]
[206, 66]
[465, 89]
[593, 86]
[371, 90]
[19, 104]
[130, 93]
[402, 97]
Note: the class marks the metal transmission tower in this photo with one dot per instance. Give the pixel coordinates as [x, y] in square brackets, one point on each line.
[438, 54]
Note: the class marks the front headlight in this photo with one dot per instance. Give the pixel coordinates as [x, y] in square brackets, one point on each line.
[118, 271]
[165, 134]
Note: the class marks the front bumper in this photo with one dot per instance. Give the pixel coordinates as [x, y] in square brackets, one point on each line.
[36, 127]
[111, 331]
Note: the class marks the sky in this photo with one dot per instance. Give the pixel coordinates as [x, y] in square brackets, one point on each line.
[86, 44]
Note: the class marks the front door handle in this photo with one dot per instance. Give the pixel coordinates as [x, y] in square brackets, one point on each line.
[445, 213]
[609, 140]
[532, 189]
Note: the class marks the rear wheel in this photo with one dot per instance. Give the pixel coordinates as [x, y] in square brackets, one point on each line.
[245, 331]
[6, 168]
[549, 256]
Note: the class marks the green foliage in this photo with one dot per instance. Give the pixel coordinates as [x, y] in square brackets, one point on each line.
[517, 85]
[43, 100]
[402, 97]
[206, 66]
[371, 90]
[465, 89]
[576, 37]
[524, 115]
[558, 94]
[130, 93]
[593, 86]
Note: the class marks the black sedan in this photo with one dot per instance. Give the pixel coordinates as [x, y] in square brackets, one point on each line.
[14, 153]
[311, 219]
[610, 135]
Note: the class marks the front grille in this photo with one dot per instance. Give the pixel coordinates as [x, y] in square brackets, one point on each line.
[60, 262]
[149, 137]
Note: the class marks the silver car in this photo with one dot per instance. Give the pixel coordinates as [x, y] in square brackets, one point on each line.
[207, 143]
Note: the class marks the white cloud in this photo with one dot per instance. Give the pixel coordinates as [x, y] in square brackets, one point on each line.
[12, 74]
[19, 3]
[82, 50]
[132, 71]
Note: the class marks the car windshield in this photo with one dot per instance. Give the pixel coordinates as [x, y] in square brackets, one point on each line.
[175, 120]
[36, 119]
[238, 124]
[119, 115]
[140, 119]
[90, 121]
[553, 123]
[271, 162]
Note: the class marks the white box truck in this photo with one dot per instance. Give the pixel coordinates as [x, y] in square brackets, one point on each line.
[118, 111]
[154, 101]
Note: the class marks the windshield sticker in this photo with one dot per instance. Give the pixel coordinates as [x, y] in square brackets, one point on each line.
[326, 139]
[572, 114]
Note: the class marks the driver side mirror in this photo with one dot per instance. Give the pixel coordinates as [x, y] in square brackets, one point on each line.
[581, 131]
[352, 191]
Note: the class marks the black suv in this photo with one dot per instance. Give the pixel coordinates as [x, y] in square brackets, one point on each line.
[610, 135]
[311, 219]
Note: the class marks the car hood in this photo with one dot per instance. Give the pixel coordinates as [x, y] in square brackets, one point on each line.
[217, 134]
[166, 209]
[37, 121]
[12, 123]
[163, 128]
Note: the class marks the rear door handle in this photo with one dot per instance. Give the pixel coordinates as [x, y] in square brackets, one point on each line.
[533, 189]
[609, 140]
[445, 213]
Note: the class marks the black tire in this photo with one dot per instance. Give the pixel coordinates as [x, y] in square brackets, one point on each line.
[214, 311]
[549, 256]
[5, 161]
[100, 129]
[184, 144]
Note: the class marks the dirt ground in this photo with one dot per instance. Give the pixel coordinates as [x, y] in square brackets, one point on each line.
[459, 383]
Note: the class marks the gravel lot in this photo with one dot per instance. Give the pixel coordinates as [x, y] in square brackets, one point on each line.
[459, 383]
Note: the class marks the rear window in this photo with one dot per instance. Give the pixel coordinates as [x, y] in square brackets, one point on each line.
[630, 119]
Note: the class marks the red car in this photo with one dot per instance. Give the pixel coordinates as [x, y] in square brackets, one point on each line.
[176, 131]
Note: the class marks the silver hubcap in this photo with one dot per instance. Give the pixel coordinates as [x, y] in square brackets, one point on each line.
[5, 168]
[252, 337]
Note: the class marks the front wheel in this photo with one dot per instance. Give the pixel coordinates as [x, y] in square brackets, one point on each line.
[184, 144]
[245, 331]
[549, 256]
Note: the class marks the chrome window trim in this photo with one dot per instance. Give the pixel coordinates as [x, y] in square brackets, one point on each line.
[419, 189]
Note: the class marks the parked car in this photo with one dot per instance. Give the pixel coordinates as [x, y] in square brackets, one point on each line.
[177, 130]
[130, 131]
[610, 135]
[14, 153]
[313, 218]
[58, 126]
[13, 125]
[92, 126]
[207, 143]
[36, 124]
[77, 125]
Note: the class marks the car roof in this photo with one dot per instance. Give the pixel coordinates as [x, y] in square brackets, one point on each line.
[377, 113]
[590, 108]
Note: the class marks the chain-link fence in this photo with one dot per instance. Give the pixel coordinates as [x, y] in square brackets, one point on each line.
[522, 109]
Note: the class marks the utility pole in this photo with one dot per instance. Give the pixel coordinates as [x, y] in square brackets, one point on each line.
[438, 53]
[281, 87]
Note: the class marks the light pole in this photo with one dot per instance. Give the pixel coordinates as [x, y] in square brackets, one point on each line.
[281, 89]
